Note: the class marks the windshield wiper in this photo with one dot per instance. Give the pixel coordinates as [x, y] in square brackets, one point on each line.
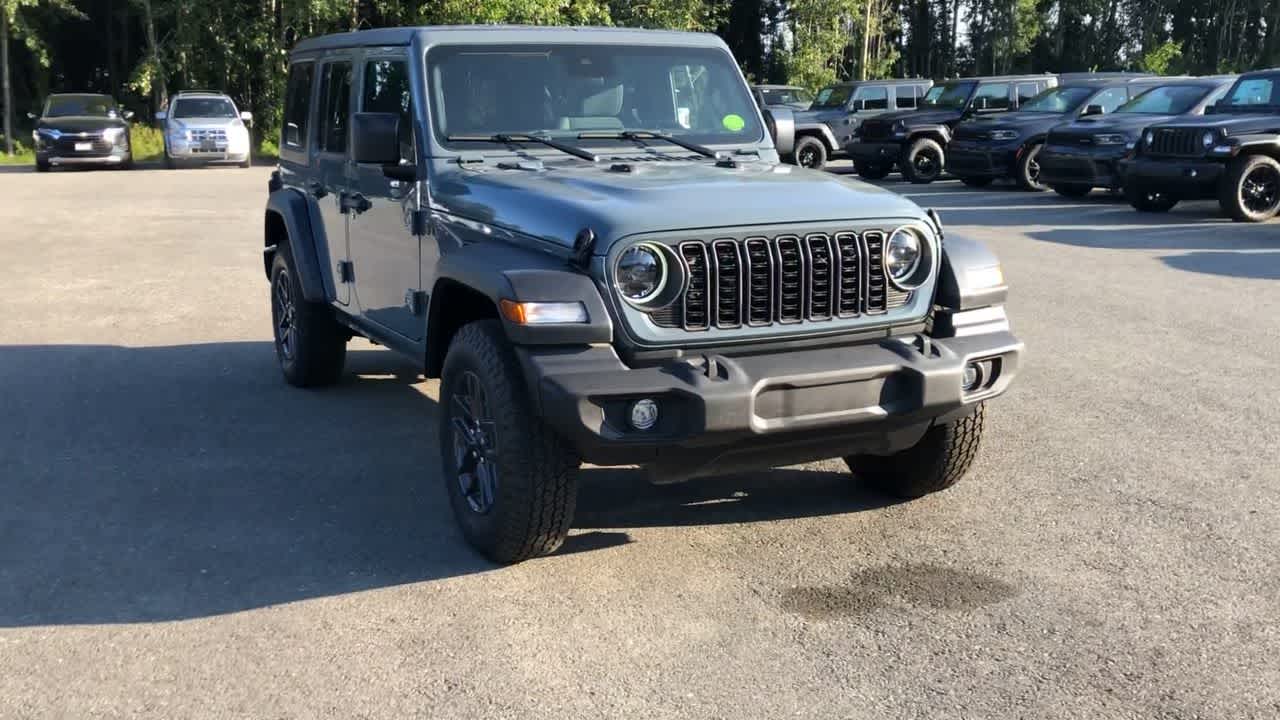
[509, 138]
[639, 135]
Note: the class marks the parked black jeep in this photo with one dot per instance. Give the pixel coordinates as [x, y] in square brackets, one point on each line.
[828, 124]
[916, 141]
[1232, 154]
[589, 237]
[1008, 145]
[1086, 154]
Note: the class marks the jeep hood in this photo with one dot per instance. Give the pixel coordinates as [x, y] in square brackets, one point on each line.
[1020, 121]
[918, 118]
[1128, 123]
[1233, 123]
[555, 202]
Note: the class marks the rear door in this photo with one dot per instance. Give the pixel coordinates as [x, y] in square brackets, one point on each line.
[331, 165]
[385, 254]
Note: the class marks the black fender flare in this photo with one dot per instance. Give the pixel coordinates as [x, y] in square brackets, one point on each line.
[933, 132]
[1265, 143]
[295, 212]
[970, 276]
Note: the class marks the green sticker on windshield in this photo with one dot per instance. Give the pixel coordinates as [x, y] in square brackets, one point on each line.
[733, 123]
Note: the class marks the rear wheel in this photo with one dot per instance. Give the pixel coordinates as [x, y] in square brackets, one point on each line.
[310, 344]
[977, 182]
[1250, 190]
[937, 462]
[872, 171]
[1145, 199]
[924, 161]
[810, 153]
[1072, 191]
[512, 482]
[1028, 168]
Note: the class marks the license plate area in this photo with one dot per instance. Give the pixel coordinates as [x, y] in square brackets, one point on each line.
[84, 147]
[208, 146]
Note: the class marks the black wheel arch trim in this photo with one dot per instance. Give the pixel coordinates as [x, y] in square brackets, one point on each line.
[301, 222]
[962, 258]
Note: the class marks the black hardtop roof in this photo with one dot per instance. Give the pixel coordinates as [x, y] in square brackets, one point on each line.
[998, 78]
[881, 81]
[1267, 71]
[386, 37]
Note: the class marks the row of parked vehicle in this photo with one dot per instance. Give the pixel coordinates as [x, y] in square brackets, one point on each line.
[87, 129]
[1159, 140]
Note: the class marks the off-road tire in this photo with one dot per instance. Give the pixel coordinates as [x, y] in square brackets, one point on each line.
[536, 488]
[318, 344]
[1231, 193]
[810, 153]
[921, 173]
[1027, 170]
[872, 171]
[1072, 191]
[42, 166]
[937, 462]
[977, 182]
[1144, 200]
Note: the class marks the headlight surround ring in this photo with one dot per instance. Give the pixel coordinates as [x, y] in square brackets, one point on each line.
[908, 258]
[628, 271]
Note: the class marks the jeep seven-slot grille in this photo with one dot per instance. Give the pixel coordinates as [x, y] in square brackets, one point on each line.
[1180, 142]
[759, 281]
[876, 130]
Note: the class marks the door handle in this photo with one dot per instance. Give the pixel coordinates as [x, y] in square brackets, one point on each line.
[316, 188]
[354, 202]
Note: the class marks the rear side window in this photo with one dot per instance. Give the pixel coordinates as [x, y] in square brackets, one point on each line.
[874, 98]
[297, 100]
[906, 97]
[386, 90]
[996, 96]
[1026, 91]
[335, 106]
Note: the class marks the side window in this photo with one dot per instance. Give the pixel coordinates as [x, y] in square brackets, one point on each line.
[906, 97]
[996, 97]
[873, 98]
[387, 90]
[1026, 91]
[297, 104]
[335, 102]
[1110, 99]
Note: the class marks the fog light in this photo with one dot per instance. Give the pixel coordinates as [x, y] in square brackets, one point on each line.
[644, 414]
[972, 377]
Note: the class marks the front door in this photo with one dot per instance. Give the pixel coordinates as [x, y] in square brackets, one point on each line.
[385, 254]
[331, 176]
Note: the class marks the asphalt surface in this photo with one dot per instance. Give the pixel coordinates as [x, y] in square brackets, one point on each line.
[183, 536]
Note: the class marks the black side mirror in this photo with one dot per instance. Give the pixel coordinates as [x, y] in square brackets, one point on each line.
[375, 138]
[782, 128]
[1093, 110]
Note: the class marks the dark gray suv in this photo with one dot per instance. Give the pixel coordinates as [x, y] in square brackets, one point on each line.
[587, 235]
[836, 111]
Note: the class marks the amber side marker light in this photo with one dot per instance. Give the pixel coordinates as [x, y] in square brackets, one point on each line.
[543, 313]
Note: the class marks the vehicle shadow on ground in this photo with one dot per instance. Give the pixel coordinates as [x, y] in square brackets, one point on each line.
[1234, 250]
[169, 483]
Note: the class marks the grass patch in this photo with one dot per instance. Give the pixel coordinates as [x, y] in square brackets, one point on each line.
[148, 143]
[268, 149]
[22, 155]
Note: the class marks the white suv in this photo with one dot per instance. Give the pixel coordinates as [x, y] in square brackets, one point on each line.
[204, 127]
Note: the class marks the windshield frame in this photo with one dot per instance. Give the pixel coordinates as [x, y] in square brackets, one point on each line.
[439, 141]
[179, 101]
[924, 104]
[1224, 107]
[113, 108]
[848, 98]
[795, 91]
[1205, 91]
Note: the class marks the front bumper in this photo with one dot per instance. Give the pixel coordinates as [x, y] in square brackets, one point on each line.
[197, 152]
[719, 413]
[58, 159]
[971, 159]
[1181, 178]
[874, 152]
[1068, 166]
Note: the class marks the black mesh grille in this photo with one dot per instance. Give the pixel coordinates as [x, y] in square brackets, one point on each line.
[696, 301]
[876, 130]
[728, 283]
[875, 297]
[790, 279]
[821, 274]
[1180, 142]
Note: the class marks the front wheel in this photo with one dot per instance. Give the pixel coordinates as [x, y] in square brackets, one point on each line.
[810, 153]
[924, 161]
[42, 165]
[1028, 169]
[1250, 190]
[512, 482]
[872, 171]
[1145, 200]
[937, 462]
[1072, 191]
[311, 346]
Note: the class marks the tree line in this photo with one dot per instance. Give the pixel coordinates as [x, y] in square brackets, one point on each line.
[142, 50]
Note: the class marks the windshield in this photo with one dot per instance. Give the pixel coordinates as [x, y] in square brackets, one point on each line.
[786, 96]
[1057, 100]
[1256, 93]
[1166, 100]
[203, 108]
[832, 96]
[562, 90]
[951, 96]
[81, 105]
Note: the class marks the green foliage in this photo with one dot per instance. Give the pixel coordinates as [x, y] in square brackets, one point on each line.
[1160, 59]
[147, 143]
[22, 155]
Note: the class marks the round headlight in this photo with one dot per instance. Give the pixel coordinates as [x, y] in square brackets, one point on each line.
[1207, 139]
[641, 273]
[1149, 137]
[902, 257]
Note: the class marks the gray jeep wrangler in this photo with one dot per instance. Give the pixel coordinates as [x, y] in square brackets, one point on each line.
[587, 235]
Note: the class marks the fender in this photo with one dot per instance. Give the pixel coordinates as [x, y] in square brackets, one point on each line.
[942, 131]
[970, 276]
[1265, 142]
[821, 130]
[292, 208]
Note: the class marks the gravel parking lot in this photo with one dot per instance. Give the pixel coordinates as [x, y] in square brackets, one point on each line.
[182, 535]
